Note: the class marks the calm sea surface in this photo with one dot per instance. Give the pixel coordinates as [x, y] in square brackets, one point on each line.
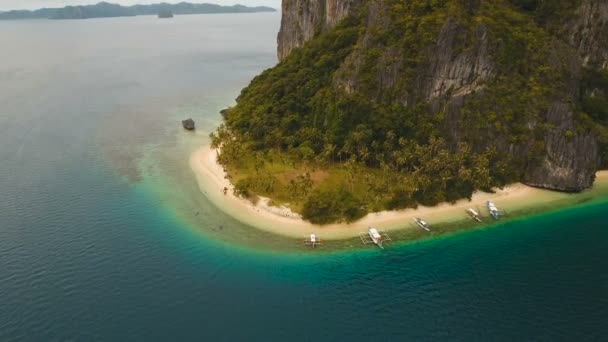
[105, 237]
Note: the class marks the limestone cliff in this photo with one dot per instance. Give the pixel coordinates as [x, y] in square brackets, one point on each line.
[304, 19]
[587, 32]
[452, 71]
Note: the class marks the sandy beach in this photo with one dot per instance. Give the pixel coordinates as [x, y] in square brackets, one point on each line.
[211, 181]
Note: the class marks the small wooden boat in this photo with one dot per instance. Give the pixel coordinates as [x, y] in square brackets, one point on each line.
[422, 224]
[376, 237]
[474, 214]
[493, 210]
[313, 241]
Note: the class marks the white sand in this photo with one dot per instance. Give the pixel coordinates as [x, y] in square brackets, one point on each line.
[211, 180]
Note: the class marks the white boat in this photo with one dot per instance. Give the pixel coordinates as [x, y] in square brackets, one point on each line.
[493, 210]
[474, 214]
[375, 236]
[422, 224]
[312, 241]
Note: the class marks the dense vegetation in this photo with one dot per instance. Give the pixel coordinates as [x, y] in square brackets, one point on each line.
[104, 10]
[548, 12]
[594, 106]
[335, 154]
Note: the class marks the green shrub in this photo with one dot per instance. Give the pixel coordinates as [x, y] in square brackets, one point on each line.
[327, 206]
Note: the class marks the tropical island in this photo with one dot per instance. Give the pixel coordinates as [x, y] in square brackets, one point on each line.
[108, 10]
[382, 105]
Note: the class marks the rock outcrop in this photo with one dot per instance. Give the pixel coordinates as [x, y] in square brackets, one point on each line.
[571, 158]
[188, 124]
[165, 14]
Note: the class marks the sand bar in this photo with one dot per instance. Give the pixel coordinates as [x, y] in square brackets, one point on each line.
[211, 180]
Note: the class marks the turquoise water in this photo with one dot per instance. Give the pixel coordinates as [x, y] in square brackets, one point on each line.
[99, 240]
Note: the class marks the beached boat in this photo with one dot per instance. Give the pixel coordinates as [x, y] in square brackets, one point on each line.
[422, 224]
[312, 241]
[474, 214]
[493, 210]
[376, 237]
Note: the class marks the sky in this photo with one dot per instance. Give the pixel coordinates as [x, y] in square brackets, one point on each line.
[6, 5]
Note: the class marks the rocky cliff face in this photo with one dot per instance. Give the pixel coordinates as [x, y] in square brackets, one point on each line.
[570, 161]
[588, 32]
[459, 66]
[304, 19]
[462, 73]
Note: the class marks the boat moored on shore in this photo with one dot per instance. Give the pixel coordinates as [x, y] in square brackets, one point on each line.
[375, 236]
[493, 210]
[474, 214]
[422, 224]
[312, 241]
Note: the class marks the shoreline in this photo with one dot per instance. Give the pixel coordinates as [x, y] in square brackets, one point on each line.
[211, 181]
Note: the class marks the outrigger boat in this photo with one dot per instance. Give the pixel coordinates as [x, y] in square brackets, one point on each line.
[312, 241]
[422, 224]
[474, 214]
[375, 236]
[493, 210]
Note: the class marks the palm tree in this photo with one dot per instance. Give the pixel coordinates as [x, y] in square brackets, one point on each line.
[363, 153]
[328, 151]
[350, 169]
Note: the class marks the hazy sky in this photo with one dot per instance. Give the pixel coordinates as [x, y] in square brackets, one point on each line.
[33, 4]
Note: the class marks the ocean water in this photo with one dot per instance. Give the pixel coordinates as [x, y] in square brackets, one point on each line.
[105, 237]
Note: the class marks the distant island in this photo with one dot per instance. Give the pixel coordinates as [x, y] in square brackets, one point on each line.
[108, 10]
